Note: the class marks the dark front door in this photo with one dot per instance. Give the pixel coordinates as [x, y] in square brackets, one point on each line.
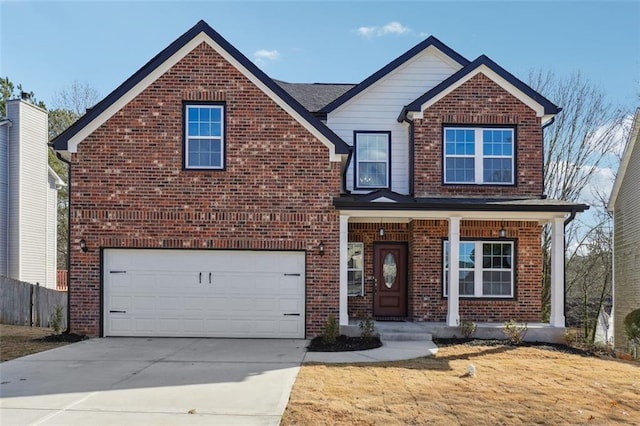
[390, 269]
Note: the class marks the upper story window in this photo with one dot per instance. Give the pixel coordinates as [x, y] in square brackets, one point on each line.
[372, 160]
[479, 156]
[485, 269]
[204, 136]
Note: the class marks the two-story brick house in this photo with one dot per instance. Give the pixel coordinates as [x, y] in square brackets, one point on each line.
[209, 200]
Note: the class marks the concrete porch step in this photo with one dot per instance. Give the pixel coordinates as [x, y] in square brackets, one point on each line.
[404, 336]
[401, 331]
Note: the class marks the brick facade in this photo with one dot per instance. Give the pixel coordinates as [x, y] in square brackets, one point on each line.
[129, 188]
[425, 290]
[478, 102]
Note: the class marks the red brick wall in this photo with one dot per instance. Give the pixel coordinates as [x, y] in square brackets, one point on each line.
[129, 188]
[425, 298]
[477, 102]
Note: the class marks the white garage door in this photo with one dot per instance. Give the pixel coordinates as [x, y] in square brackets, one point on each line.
[174, 293]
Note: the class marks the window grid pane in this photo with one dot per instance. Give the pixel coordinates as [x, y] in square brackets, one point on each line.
[372, 153]
[355, 268]
[495, 271]
[204, 137]
[495, 161]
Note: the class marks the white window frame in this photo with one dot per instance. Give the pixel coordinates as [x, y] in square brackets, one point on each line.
[361, 270]
[356, 172]
[479, 269]
[478, 156]
[188, 137]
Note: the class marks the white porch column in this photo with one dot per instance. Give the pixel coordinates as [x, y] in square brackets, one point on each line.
[556, 318]
[344, 290]
[453, 316]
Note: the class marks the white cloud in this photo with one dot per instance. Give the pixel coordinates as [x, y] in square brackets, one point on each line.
[393, 28]
[611, 134]
[262, 56]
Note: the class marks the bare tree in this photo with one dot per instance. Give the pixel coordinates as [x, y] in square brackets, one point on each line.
[583, 139]
[69, 104]
[76, 98]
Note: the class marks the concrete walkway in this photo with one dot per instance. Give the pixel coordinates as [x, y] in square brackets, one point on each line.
[140, 381]
[389, 351]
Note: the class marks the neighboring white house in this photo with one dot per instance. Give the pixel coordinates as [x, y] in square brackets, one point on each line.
[28, 196]
[625, 205]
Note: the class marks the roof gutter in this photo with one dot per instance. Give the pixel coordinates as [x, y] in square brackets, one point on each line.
[572, 216]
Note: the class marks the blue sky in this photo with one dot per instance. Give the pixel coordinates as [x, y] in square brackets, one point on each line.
[47, 45]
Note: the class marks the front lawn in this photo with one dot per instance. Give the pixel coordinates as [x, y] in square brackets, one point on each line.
[512, 385]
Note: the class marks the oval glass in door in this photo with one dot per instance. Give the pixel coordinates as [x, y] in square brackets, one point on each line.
[389, 270]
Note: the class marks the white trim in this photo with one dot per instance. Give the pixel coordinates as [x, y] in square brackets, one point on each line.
[188, 137]
[58, 180]
[478, 270]
[496, 78]
[453, 301]
[344, 281]
[202, 37]
[556, 318]
[383, 200]
[361, 269]
[624, 162]
[478, 155]
[365, 216]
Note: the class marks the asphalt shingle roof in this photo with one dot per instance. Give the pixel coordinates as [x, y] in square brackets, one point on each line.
[314, 96]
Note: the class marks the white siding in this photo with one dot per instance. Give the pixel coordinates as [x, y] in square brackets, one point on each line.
[627, 247]
[4, 198]
[377, 109]
[28, 183]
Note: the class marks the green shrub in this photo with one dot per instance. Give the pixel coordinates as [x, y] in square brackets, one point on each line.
[366, 328]
[56, 319]
[468, 328]
[514, 331]
[632, 326]
[331, 330]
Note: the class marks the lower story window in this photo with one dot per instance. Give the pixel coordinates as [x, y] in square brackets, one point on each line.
[485, 269]
[355, 263]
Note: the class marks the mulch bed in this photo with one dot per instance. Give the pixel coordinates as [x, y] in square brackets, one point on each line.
[344, 344]
[64, 337]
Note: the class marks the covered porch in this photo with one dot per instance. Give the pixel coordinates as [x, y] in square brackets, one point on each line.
[435, 230]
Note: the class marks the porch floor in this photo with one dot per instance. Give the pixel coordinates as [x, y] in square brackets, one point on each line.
[536, 332]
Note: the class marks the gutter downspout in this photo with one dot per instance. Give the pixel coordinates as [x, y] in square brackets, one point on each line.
[7, 122]
[68, 163]
[411, 153]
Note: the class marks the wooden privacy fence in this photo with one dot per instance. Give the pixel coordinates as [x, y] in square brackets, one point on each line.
[61, 280]
[28, 304]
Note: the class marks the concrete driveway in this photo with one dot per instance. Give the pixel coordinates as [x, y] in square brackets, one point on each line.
[159, 381]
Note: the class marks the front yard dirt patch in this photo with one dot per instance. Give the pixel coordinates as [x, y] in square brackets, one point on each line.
[17, 341]
[512, 385]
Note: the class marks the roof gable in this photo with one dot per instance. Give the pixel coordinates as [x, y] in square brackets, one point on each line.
[392, 66]
[163, 61]
[634, 135]
[483, 64]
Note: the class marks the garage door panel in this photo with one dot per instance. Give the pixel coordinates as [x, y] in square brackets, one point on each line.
[203, 293]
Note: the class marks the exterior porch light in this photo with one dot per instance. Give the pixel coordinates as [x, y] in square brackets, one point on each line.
[381, 231]
[83, 246]
[321, 248]
[502, 233]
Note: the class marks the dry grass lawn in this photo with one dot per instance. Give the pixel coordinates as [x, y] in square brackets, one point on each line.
[18, 340]
[522, 385]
